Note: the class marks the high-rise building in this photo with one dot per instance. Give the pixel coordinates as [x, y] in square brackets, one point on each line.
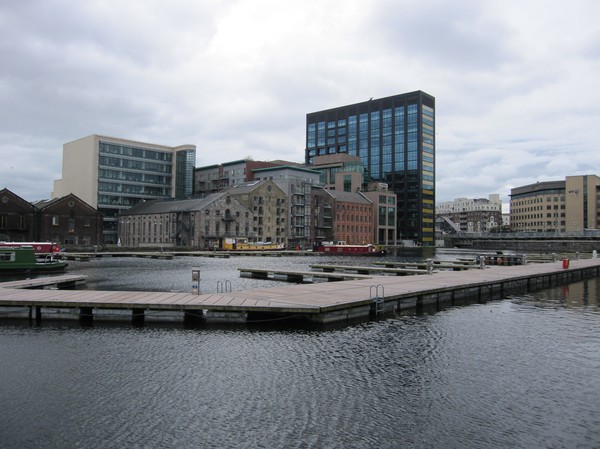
[395, 139]
[113, 174]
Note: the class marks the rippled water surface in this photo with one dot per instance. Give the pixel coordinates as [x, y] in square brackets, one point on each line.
[523, 372]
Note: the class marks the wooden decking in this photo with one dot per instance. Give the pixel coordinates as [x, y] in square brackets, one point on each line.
[298, 276]
[368, 270]
[322, 302]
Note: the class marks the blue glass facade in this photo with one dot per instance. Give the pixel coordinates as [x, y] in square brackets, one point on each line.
[395, 139]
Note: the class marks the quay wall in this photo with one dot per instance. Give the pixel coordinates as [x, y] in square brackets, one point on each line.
[462, 295]
[521, 245]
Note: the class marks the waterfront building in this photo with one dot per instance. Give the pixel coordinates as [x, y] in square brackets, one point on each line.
[297, 183]
[269, 206]
[384, 208]
[570, 205]
[471, 214]
[67, 220]
[202, 222]
[345, 173]
[18, 218]
[538, 207]
[395, 139]
[341, 216]
[113, 174]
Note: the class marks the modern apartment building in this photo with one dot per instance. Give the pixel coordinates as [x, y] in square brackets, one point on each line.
[113, 174]
[395, 139]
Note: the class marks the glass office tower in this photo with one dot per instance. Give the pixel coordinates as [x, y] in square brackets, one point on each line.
[395, 139]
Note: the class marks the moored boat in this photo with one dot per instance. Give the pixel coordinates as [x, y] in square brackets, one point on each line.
[242, 244]
[38, 247]
[343, 249]
[22, 259]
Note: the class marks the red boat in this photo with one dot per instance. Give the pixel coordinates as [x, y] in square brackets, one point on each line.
[38, 247]
[343, 249]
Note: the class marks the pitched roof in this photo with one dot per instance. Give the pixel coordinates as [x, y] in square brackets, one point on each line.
[349, 197]
[170, 206]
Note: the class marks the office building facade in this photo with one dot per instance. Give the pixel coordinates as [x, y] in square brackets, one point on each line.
[569, 205]
[395, 139]
[113, 174]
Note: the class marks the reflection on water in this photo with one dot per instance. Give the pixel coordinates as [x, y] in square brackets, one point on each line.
[517, 373]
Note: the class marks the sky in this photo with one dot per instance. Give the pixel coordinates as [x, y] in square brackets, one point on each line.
[515, 81]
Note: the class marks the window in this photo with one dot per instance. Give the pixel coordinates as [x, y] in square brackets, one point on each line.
[55, 220]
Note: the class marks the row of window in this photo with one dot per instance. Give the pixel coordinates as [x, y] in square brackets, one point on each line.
[335, 132]
[129, 164]
[136, 177]
[123, 150]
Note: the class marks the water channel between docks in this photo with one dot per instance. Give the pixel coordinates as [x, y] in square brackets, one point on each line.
[322, 303]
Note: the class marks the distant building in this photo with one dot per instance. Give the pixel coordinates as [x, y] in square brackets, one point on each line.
[538, 207]
[214, 178]
[297, 183]
[395, 139]
[269, 206]
[196, 222]
[256, 211]
[19, 219]
[340, 171]
[342, 216]
[384, 208]
[470, 214]
[67, 220]
[114, 174]
[571, 205]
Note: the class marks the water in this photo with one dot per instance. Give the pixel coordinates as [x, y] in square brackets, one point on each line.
[523, 372]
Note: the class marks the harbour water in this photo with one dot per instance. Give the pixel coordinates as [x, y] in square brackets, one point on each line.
[522, 372]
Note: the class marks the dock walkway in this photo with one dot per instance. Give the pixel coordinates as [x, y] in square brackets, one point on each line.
[368, 270]
[320, 303]
[299, 276]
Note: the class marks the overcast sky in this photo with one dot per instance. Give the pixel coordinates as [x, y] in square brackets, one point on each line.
[515, 81]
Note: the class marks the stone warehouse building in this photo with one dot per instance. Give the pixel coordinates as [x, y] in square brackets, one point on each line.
[66, 220]
[256, 210]
[197, 222]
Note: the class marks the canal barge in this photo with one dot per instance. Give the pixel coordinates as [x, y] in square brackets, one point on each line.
[22, 259]
[341, 248]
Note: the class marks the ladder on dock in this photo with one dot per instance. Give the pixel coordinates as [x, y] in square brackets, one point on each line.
[378, 299]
